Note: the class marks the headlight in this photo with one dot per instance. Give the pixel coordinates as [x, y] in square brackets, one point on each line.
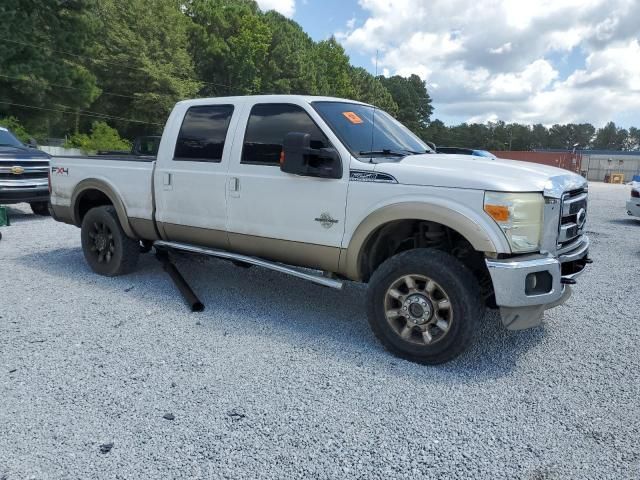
[520, 217]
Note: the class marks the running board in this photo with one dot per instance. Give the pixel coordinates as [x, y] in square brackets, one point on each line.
[185, 247]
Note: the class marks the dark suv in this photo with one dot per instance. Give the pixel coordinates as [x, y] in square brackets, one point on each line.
[24, 172]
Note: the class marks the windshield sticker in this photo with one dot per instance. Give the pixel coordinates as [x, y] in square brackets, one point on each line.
[352, 117]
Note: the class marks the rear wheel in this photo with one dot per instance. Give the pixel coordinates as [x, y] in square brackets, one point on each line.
[106, 248]
[40, 208]
[424, 306]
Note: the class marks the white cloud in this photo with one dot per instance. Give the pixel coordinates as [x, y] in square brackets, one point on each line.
[502, 58]
[285, 7]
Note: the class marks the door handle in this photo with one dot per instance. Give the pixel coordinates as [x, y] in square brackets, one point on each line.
[166, 181]
[234, 186]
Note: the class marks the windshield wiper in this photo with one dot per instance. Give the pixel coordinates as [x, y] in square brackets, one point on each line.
[391, 153]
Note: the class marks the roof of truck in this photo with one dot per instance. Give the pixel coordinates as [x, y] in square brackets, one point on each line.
[271, 98]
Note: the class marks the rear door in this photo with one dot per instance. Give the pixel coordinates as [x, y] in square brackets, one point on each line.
[272, 214]
[190, 178]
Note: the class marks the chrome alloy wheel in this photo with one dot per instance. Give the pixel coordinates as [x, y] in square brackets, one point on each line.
[418, 309]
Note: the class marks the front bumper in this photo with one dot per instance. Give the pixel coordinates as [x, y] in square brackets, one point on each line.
[526, 286]
[633, 207]
[32, 191]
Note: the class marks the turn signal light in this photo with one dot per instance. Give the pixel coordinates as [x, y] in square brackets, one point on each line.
[499, 213]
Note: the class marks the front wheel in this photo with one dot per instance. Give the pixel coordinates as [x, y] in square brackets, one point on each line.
[106, 247]
[424, 306]
[40, 208]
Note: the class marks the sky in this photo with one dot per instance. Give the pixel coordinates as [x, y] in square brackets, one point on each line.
[527, 61]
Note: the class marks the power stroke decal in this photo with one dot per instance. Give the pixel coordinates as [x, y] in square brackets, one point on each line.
[371, 177]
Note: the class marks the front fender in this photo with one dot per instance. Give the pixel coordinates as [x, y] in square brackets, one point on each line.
[477, 230]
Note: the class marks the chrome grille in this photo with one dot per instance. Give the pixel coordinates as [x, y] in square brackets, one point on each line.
[26, 170]
[573, 217]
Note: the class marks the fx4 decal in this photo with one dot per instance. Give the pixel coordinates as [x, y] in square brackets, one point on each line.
[59, 171]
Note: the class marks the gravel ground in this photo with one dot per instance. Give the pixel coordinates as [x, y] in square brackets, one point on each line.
[279, 378]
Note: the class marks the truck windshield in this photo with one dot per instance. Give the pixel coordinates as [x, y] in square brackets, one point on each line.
[8, 140]
[369, 132]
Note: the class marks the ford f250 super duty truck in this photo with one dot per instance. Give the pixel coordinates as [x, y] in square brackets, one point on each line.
[338, 186]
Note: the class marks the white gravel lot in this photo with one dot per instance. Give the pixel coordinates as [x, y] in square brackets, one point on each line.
[279, 378]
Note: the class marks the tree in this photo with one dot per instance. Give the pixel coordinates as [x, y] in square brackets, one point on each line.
[610, 137]
[142, 62]
[229, 43]
[288, 66]
[633, 139]
[414, 103]
[370, 89]
[34, 71]
[333, 70]
[102, 137]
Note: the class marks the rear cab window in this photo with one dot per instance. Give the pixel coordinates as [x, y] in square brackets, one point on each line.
[267, 126]
[203, 133]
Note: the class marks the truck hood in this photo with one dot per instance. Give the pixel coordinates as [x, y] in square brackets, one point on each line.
[482, 173]
[22, 154]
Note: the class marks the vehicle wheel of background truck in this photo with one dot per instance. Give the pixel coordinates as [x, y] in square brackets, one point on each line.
[106, 247]
[40, 208]
[424, 305]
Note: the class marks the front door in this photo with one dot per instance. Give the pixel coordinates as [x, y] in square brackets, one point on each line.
[190, 185]
[281, 216]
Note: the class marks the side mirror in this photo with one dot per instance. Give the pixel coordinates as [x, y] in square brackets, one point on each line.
[299, 158]
[31, 143]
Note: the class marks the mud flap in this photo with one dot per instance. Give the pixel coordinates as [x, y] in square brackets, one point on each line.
[520, 318]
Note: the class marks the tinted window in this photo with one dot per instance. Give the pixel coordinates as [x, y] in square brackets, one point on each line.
[202, 135]
[267, 127]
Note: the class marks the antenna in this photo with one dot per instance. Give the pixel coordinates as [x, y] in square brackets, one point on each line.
[373, 116]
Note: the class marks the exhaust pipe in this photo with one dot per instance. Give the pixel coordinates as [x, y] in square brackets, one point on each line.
[187, 293]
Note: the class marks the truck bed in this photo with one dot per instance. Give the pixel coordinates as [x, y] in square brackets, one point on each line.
[129, 177]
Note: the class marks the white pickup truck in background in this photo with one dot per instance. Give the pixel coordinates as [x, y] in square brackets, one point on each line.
[339, 186]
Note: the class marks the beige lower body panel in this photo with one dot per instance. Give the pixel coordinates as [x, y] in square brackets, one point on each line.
[143, 228]
[292, 253]
[204, 237]
[63, 214]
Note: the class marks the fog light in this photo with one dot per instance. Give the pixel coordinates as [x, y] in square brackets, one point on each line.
[538, 283]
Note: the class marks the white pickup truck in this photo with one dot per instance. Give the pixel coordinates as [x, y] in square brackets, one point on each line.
[340, 187]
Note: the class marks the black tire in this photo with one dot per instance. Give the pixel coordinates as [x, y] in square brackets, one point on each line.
[455, 288]
[106, 247]
[40, 208]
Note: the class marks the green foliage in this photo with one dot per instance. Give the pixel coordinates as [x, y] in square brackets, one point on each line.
[229, 43]
[142, 47]
[13, 124]
[370, 89]
[33, 72]
[414, 103]
[610, 137]
[102, 137]
[332, 70]
[289, 66]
